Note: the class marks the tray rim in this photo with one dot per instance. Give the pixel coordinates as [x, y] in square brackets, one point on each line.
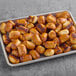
[38, 60]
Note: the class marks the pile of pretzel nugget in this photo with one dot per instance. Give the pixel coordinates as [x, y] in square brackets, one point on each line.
[35, 36]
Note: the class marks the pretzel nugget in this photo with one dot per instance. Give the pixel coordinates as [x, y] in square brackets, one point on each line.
[58, 28]
[40, 49]
[8, 47]
[34, 54]
[15, 53]
[52, 34]
[2, 28]
[12, 22]
[41, 19]
[51, 18]
[5, 39]
[15, 43]
[25, 58]
[72, 29]
[36, 39]
[49, 44]
[22, 22]
[66, 48]
[64, 38]
[62, 32]
[57, 41]
[26, 36]
[43, 36]
[14, 34]
[13, 59]
[41, 28]
[67, 24]
[73, 38]
[22, 50]
[32, 19]
[29, 44]
[51, 26]
[74, 47]
[63, 14]
[34, 31]
[22, 29]
[49, 52]
[8, 27]
[61, 20]
[58, 50]
[30, 25]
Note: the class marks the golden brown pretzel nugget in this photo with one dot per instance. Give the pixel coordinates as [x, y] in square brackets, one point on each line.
[8, 27]
[30, 25]
[14, 34]
[22, 29]
[32, 19]
[70, 19]
[68, 43]
[63, 14]
[21, 21]
[49, 44]
[40, 49]
[5, 39]
[52, 34]
[34, 31]
[58, 50]
[8, 47]
[15, 43]
[13, 59]
[74, 47]
[41, 19]
[15, 53]
[26, 36]
[64, 38]
[72, 29]
[67, 24]
[12, 22]
[58, 28]
[64, 31]
[36, 39]
[2, 28]
[49, 52]
[51, 26]
[65, 48]
[61, 20]
[73, 38]
[25, 58]
[56, 40]
[51, 18]
[34, 54]
[43, 36]
[29, 44]
[41, 28]
[22, 50]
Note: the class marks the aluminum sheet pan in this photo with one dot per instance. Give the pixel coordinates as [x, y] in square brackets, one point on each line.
[38, 60]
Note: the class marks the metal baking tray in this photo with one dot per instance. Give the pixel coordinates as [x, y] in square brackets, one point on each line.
[42, 58]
